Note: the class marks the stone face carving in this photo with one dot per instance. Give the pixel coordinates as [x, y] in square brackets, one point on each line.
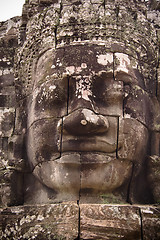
[79, 138]
[85, 128]
[86, 88]
[87, 96]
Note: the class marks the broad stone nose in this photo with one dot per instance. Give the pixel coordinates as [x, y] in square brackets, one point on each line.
[84, 122]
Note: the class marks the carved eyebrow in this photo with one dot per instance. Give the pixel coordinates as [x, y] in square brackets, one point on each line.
[104, 74]
[125, 77]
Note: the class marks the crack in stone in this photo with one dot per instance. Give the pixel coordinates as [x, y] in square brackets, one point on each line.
[129, 185]
[55, 35]
[79, 221]
[140, 214]
[61, 138]
[68, 95]
[117, 137]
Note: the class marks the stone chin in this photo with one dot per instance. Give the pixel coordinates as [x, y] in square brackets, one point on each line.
[76, 172]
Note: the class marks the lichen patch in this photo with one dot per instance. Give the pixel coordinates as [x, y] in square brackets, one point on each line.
[105, 59]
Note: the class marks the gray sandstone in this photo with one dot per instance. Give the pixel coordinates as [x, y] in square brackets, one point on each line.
[80, 120]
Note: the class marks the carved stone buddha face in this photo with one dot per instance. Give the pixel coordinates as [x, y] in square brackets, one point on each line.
[87, 121]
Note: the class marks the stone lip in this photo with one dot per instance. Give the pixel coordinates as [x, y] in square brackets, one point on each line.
[90, 144]
[76, 171]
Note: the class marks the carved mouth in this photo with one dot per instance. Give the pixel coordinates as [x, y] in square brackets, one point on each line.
[88, 145]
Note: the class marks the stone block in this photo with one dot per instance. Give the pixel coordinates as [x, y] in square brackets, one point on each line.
[132, 140]
[62, 176]
[99, 221]
[7, 101]
[16, 147]
[4, 144]
[150, 222]
[11, 187]
[154, 176]
[46, 146]
[85, 140]
[7, 121]
[102, 175]
[55, 221]
[6, 80]
[155, 142]
[137, 104]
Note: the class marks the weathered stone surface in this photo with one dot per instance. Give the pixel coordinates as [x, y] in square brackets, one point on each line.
[133, 139]
[95, 133]
[119, 222]
[150, 222]
[11, 180]
[49, 97]
[61, 175]
[154, 176]
[85, 74]
[135, 100]
[97, 221]
[155, 142]
[101, 178]
[7, 118]
[55, 221]
[11, 187]
[86, 78]
[47, 146]
[109, 222]
[87, 117]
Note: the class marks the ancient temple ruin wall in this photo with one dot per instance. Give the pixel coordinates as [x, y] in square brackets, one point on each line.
[31, 221]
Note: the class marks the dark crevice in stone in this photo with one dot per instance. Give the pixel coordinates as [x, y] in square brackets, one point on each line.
[68, 95]
[22, 33]
[158, 64]
[128, 200]
[55, 36]
[149, 147]
[156, 92]
[117, 137]
[80, 180]
[140, 214]
[14, 123]
[117, 11]
[123, 104]
[61, 8]
[61, 137]
[104, 4]
[123, 109]
[23, 189]
[113, 66]
[79, 221]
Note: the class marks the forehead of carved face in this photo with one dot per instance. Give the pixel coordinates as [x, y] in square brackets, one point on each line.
[89, 101]
[87, 76]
